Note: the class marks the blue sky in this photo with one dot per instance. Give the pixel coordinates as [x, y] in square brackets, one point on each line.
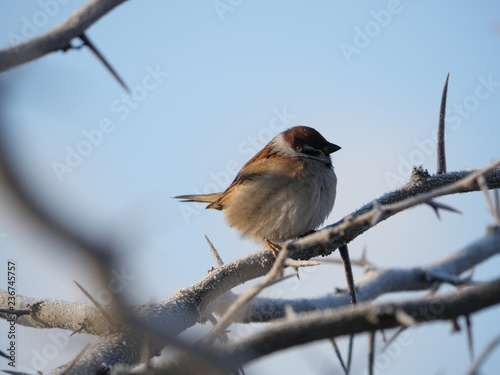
[212, 86]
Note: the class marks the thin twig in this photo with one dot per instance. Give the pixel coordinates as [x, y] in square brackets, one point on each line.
[360, 262]
[223, 338]
[98, 306]
[296, 264]
[275, 271]
[441, 155]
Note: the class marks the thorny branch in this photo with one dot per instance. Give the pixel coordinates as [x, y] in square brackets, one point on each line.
[58, 38]
[374, 283]
[363, 318]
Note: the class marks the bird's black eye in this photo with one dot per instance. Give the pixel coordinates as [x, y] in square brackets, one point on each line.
[308, 150]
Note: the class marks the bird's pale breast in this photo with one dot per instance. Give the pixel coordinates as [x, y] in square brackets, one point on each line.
[284, 202]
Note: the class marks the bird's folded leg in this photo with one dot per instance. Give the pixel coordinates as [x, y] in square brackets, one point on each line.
[274, 248]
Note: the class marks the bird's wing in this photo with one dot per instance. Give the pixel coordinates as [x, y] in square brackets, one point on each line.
[263, 162]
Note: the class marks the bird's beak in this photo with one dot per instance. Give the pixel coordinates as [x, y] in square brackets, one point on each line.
[331, 148]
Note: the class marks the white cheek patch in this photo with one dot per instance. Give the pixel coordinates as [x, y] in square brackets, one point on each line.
[282, 146]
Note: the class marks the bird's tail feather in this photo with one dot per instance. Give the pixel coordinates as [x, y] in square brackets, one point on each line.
[204, 198]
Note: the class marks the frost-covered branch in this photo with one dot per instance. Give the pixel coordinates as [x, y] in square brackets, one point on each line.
[365, 317]
[374, 283]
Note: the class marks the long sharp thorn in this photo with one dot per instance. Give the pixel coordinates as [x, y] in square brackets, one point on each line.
[96, 304]
[101, 58]
[394, 337]
[349, 353]
[214, 251]
[441, 155]
[481, 181]
[436, 206]
[469, 337]
[346, 260]
[371, 351]
[339, 355]
[497, 205]
[344, 254]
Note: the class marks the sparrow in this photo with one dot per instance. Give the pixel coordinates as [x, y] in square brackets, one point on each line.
[285, 191]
